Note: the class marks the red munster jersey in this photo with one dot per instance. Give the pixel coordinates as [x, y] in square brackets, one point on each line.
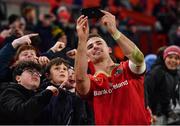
[118, 98]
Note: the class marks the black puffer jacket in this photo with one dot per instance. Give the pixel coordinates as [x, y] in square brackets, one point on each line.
[161, 86]
[21, 106]
[68, 109]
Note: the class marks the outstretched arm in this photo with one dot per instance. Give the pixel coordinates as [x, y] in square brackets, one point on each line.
[7, 53]
[129, 49]
[81, 60]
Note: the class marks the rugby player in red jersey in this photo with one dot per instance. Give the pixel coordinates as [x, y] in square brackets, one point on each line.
[115, 91]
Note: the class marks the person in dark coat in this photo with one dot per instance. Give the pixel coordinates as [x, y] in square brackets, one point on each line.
[43, 28]
[21, 102]
[67, 108]
[161, 83]
[60, 36]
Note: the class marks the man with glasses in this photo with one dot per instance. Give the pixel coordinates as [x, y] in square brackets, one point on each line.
[21, 102]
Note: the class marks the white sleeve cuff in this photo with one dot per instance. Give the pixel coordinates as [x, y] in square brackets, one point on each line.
[137, 69]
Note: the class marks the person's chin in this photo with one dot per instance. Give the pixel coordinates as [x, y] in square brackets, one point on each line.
[35, 86]
[36, 82]
[97, 56]
[171, 68]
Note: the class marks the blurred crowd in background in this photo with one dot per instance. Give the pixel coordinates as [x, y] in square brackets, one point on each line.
[149, 23]
[153, 25]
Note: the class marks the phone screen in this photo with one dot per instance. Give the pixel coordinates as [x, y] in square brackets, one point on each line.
[92, 12]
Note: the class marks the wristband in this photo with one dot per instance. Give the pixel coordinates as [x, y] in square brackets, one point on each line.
[116, 35]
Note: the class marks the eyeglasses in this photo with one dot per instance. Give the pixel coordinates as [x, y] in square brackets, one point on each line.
[33, 72]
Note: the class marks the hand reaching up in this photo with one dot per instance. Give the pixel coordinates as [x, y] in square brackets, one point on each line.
[109, 21]
[43, 60]
[82, 28]
[5, 33]
[58, 47]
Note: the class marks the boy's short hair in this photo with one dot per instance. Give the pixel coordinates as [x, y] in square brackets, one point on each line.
[23, 48]
[56, 61]
[21, 66]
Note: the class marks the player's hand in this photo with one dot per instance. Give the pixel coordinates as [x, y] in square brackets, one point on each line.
[109, 21]
[82, 28]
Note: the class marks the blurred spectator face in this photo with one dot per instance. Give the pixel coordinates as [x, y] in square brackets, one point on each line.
[63, 15]
[71, 79]
[172, 61]
[17, 28]
[58, 74]
[15, 24]
[30, 79]
[30, 14]
[97, 49]
[47, 20]
[17, 32]
[27, 55]
[14, 21]
[133, 29]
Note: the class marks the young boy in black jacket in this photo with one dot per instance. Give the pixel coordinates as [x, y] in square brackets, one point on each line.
[67, 108]
[21, 102]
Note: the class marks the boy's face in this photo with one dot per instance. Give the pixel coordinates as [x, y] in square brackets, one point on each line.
[58, 74]
[30, 79]
[27, 55]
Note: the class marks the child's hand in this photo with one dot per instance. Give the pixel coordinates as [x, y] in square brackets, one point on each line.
[53, 89]
[58, 47]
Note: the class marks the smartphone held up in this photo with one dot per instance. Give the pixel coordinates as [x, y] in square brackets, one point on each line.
[92, 13]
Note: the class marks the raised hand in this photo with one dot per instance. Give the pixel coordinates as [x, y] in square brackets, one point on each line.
[109, 21]
[53, 89]
[58, 47]
[63, 85]
[5, 33]
[43, 60]
[82, 28]
[23, 40]
[35, 59]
